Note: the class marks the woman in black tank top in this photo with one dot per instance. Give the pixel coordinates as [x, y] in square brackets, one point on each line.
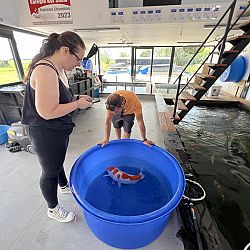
[47, 108]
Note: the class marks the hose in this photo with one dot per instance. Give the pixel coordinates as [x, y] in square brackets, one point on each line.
[196, 226]
[200, 187]
[188, 202]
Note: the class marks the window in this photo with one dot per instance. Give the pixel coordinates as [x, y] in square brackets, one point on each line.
[115, 66]
[8, 70]
[28, 46]
[161, 64]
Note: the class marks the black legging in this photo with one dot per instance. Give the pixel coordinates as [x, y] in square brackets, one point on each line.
[50, 146]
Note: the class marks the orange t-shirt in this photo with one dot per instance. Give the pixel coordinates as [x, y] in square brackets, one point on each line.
[133, 104]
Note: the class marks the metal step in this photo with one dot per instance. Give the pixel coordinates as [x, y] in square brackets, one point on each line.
[205, 77]
[180, 105]
[216, 65]
[245, 26]
[185, 96]
[235, 40]
[228, 52]
[196, 86]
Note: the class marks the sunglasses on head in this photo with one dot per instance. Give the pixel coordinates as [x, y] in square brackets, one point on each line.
[110, 107]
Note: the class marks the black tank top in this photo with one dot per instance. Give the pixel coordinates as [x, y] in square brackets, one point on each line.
[30, 115]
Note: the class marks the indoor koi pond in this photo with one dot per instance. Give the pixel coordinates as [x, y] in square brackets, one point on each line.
[217, 141]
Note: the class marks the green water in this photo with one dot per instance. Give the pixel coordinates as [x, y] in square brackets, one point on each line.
[217, 141]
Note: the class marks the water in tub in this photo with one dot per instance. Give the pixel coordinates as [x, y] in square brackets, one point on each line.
[147, 195]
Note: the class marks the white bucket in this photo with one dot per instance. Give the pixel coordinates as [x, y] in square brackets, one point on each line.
[214, 91]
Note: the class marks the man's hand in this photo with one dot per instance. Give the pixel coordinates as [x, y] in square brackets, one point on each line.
[149, 143]
[103, 143]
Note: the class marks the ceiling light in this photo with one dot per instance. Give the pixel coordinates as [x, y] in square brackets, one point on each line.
[107, 29]
[211, 26]
[189, 42]
[125, 43]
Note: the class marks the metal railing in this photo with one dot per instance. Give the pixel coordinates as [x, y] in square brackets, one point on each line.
[222, 41]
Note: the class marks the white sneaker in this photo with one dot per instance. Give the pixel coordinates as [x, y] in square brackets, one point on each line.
[65, 189]
[61, 214]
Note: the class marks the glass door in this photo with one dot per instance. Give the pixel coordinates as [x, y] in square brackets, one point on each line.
[115, 66]
[143, 64]
[161, 65]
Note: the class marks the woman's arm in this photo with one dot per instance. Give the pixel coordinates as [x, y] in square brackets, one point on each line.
[45, 83]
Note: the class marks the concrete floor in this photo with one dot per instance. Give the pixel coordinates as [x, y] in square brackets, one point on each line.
[23, 220]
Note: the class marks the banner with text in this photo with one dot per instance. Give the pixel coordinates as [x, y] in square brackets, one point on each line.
[47, 12]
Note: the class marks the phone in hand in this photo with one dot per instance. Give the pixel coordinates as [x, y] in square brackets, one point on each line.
[96, 100]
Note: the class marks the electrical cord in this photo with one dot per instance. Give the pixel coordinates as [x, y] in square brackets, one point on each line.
[188, 205]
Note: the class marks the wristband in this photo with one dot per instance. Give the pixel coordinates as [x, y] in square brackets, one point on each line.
[144, 140]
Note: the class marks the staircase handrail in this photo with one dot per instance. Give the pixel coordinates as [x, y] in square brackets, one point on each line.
[223, 37]
[237, 19]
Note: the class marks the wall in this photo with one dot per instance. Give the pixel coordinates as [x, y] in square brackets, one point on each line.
[86, 15]
[139, 3]
[8, 12]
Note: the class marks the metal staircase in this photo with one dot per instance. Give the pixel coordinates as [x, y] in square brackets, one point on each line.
[184, 101]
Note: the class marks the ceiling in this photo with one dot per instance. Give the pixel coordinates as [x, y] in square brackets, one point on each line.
[151, 34]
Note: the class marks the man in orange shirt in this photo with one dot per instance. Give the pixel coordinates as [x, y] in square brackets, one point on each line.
[122, 107]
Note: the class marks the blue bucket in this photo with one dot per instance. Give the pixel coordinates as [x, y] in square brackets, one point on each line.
[236, 71]
[3, 133]
[119, 230]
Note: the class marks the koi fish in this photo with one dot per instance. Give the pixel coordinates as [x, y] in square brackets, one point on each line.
[123, 178]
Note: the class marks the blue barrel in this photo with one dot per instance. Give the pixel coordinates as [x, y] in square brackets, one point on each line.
[3, 133]
[121, 230]
[236, 71]
[87, 64]
[96, 93]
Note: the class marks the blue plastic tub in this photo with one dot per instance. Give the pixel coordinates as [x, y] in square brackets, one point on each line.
[236, 71]
[3, 133]
[126, 231]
